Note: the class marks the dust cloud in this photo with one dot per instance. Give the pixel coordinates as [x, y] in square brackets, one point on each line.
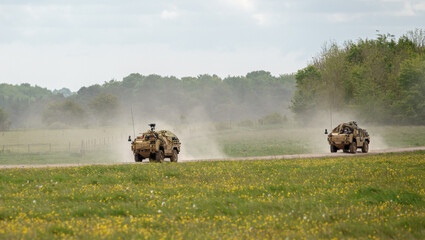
[200, 137]
[197, 135]
[325, 120]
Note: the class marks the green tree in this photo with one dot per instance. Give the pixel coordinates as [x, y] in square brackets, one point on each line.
[64, 113]
[4, 117]
[105, 107]
[272, 118]
[305, 100]
[410, 108]
[381, 80]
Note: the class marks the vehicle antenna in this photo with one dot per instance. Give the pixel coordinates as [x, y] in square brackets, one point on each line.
[331, 113]
[132, 119]
[332, 105]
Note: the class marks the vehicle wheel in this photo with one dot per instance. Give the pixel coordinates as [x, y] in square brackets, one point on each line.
[175, 156]
[333, 148]
[138, 158]
[159, 156]
[353, 147]
[365, 147]
[151, 159]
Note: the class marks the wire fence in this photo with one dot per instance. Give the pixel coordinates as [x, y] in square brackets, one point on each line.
[83, 146]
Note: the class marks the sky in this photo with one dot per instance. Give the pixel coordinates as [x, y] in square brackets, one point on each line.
[76, 43]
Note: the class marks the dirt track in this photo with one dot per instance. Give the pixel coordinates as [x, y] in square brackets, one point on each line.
[295, 156]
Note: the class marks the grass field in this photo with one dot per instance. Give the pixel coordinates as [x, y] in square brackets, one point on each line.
[379, 196]
[105, 145]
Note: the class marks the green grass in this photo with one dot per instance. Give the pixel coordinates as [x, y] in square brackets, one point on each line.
[58, 158]
[379, 196]
[405, 136]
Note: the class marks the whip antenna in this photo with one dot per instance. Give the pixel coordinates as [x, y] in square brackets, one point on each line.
[132, 119]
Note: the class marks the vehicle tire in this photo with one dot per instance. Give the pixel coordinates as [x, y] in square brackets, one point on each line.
[353, 147]
[365, 147]
[174, 157]
[138, 158]
[159, 156]
[333, 148]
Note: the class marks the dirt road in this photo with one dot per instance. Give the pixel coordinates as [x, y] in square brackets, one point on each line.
[295, 156]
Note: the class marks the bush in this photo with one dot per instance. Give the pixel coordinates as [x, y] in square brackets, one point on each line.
[223, 126]
[272, 118]
[246, 123]
[4, 123]
[68, 113]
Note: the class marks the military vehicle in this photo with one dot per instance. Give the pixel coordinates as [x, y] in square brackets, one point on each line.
[155, 145]
[348, 137]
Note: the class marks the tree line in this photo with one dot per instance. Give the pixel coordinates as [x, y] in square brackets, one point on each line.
[202, 98]
[379, 80]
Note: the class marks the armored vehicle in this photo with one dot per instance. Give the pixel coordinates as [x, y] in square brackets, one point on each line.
[348, 137]
[155, 145]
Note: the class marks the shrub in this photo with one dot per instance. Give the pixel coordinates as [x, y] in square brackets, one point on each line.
[272, 118]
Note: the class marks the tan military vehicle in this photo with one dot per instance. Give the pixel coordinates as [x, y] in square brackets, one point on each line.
[348, 137]
[155, 145]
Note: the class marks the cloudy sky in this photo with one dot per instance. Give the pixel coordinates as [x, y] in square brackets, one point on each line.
[77, 43]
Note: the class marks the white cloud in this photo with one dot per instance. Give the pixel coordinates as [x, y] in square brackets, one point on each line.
[246, 5]
[340, 17]
[419, 6]
[260, 18]
[250, 8]
[407, 10]
[169, 14]
[385, 1]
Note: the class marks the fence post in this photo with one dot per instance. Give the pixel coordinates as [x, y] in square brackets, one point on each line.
[82, 147]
